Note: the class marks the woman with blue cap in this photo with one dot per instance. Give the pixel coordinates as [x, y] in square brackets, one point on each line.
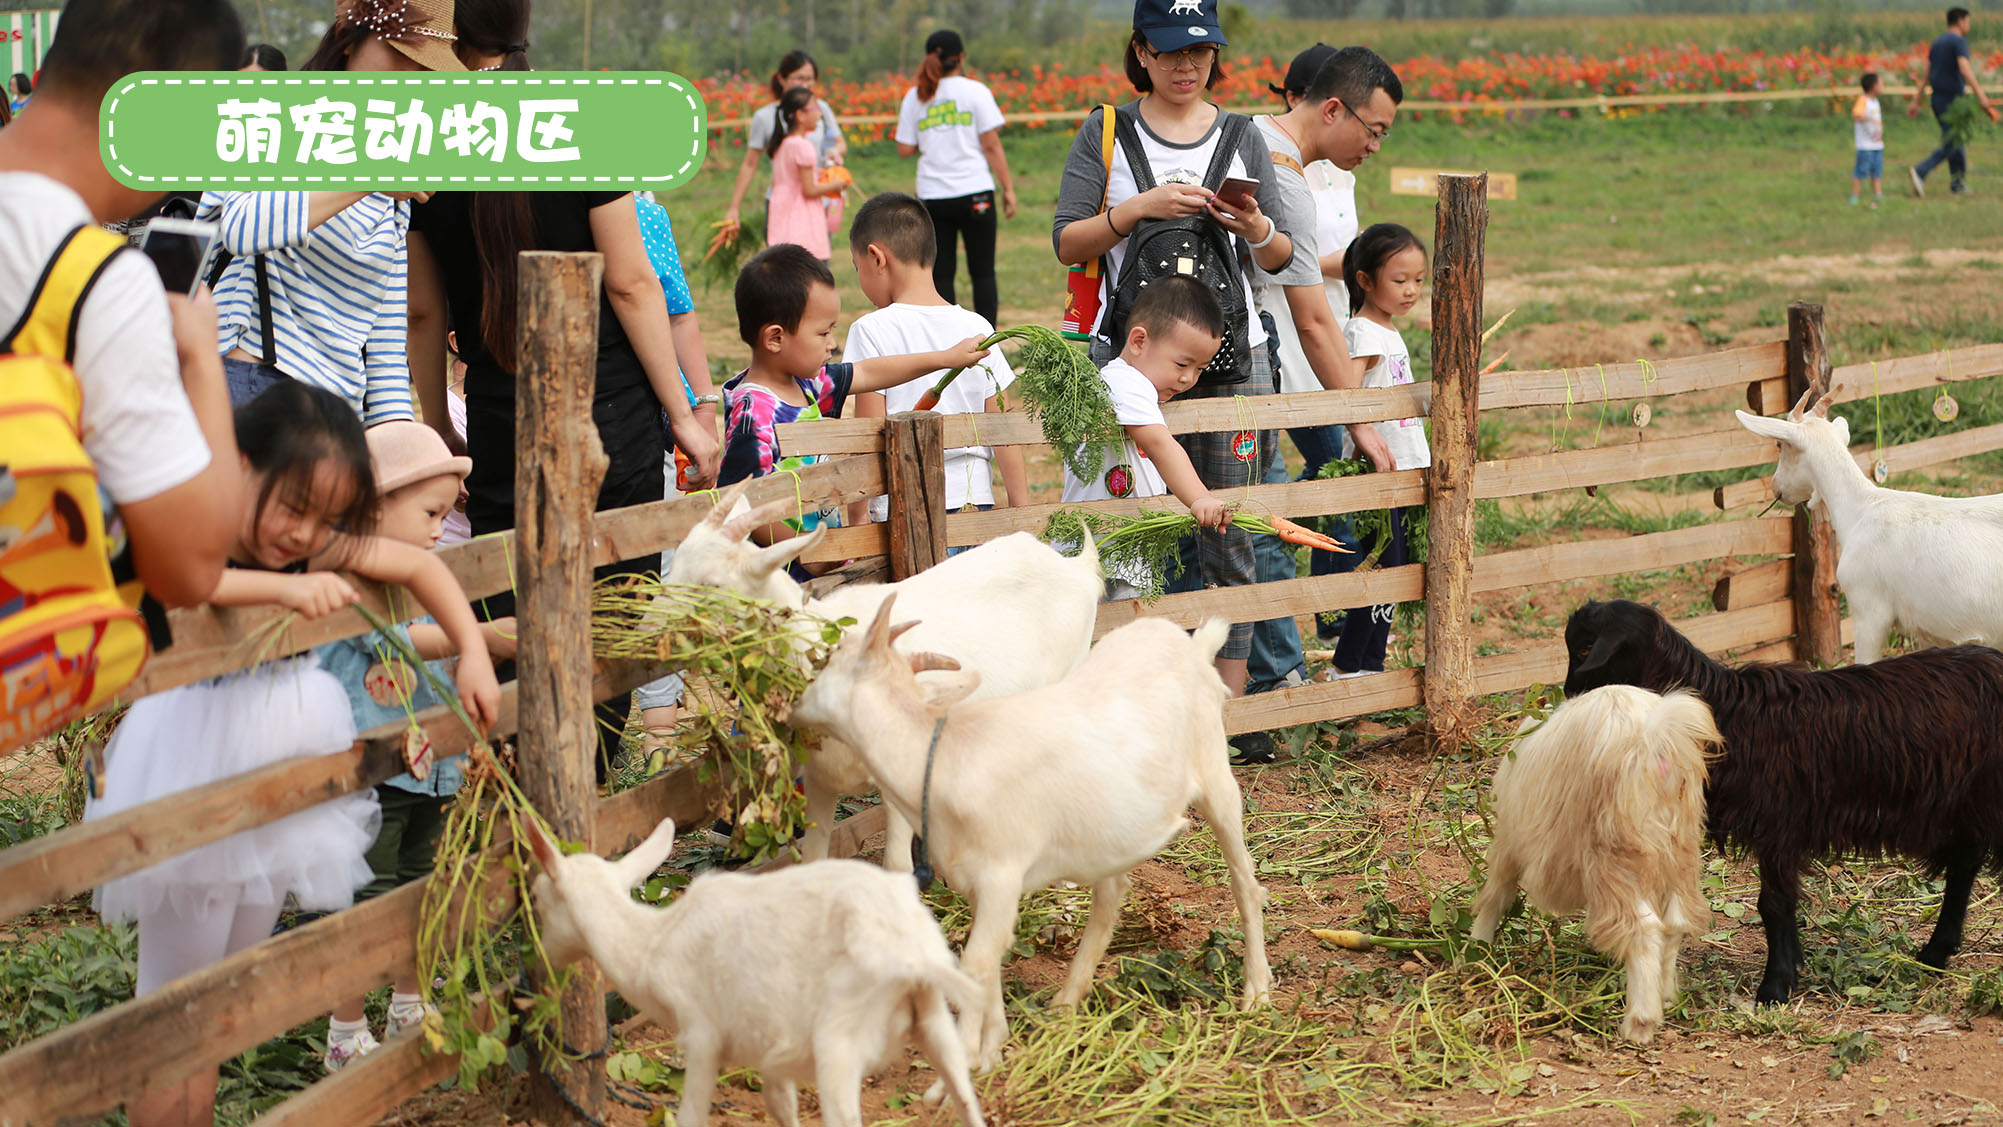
[1175, 150]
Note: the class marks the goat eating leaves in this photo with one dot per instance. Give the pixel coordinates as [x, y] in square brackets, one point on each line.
[1904, 756]
[812, 974]
[1600, 808]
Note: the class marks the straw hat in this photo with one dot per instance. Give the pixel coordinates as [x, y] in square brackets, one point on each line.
[420, 29]
[407, 452]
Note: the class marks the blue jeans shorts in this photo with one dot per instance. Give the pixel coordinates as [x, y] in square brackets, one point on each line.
[1870, 164]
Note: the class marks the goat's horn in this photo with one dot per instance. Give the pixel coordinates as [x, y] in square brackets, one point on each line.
[740, 526]
[726, 501]
[880, 625]
[901, 629]
[920, 662]
[1801, 404]
[1822, 404]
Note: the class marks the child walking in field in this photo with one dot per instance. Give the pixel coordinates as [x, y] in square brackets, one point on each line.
[893, 245]
[794, 214]
[1173, 332]
[311, 497]
[1868, 126]
[787, 306]
[1385, 269]
[418, 481]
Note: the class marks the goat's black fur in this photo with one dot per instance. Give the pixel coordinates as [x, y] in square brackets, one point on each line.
[1903, 756]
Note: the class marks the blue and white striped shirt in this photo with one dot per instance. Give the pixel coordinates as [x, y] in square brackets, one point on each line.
[338, 302]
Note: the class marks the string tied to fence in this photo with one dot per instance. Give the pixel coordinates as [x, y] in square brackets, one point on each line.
[1245, 442]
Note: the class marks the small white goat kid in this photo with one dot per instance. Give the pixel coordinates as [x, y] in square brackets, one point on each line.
[811, 974]
[1932, 566]
[1080, 781]
[1601, 808]
[1013, 610]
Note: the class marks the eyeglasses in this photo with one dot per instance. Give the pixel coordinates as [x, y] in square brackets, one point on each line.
[1377, 132]
[1189, 58]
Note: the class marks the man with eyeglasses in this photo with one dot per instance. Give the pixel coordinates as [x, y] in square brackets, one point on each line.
[1342, 115]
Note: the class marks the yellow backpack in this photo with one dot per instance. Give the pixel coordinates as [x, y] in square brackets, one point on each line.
[71, 635]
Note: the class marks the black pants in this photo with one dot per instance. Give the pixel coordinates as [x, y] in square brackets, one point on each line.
[975, 217]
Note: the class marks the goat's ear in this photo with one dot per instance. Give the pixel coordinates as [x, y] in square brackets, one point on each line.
[878, 635]
[726, 504]
[1779, 429]
[923, 662]
[943, 689]
[776, 557]
[744, 518]
[1604, 648]
[647, 856]
[545, 851]
[1841, 426]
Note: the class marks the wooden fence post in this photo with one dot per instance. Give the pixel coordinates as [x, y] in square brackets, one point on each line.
[558, 467]
[914, 476]
[1818, 626]
[1460, 225]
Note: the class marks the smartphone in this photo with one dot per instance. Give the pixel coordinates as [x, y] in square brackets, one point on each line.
[1237, 190]
[182, 250]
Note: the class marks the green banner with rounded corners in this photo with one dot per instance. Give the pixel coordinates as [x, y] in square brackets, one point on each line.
[524, 130]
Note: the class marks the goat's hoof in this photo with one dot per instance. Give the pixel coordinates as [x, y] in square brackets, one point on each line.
[1935, 959]
[1639, 1030]
[1773, 994]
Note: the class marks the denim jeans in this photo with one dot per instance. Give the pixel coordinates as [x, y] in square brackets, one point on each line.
[1955, 156]
[1276, 642]
[246, 381]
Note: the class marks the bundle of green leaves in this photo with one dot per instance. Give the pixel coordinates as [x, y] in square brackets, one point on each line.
[1066, 395]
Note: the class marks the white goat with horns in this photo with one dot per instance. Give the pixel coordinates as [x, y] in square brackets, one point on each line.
[1932, 566]
[1013, 610]
[1081, 781]
[1600, 809]
[814, 974]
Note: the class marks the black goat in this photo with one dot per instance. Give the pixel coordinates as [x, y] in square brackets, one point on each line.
[1902, 756]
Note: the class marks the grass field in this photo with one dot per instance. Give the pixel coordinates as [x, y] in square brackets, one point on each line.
[1654, 235]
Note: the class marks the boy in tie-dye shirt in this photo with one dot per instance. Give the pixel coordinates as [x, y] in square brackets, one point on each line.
[787, 307]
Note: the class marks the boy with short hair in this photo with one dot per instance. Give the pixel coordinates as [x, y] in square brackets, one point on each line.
[787, 306]
[1868, 120]
[1174, 330]
[893, 244]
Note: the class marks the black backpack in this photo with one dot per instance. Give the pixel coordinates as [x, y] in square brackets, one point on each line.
[1194, 245]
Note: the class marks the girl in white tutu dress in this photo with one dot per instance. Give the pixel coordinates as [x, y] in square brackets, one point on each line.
[310, 497]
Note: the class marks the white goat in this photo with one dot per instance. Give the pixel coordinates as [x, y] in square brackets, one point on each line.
[1080, 781]
[1601, 809]
[812, 974]
[1933, 566]
[1012, 609]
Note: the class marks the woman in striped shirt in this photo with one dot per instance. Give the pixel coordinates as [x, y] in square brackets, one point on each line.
[315, 290]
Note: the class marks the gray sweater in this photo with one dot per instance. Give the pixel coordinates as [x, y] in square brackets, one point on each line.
[1084, 181]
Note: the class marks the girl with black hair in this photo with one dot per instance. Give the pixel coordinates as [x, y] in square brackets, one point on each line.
[794, 213]
[953, 126]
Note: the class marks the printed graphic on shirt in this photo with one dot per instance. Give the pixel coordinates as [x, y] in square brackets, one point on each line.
[1120, 480]
[945, 113]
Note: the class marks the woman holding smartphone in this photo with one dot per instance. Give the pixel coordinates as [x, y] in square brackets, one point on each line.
[1172, 61]
[315, 286]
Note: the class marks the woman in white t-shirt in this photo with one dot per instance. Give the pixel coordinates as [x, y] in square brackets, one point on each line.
[953, 126]
[797, 69]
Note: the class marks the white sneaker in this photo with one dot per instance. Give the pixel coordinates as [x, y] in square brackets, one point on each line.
[404, 1015]
[345, 1051]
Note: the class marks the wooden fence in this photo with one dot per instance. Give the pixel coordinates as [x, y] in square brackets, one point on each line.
[1782, 606]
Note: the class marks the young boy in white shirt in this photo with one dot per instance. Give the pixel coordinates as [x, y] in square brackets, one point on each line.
[1868, 129]
[1176, 327]
[893, 245]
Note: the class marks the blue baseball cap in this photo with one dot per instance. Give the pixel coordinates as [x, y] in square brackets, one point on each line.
[1171, 25]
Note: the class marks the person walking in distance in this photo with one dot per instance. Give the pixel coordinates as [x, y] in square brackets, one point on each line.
[1949, 72]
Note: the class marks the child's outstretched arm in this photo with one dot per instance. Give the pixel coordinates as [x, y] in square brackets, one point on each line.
[1172, 462]
[388, 561]
[314, 594]
[879, 372]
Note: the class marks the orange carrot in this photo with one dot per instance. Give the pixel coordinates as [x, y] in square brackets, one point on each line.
[1292, 533]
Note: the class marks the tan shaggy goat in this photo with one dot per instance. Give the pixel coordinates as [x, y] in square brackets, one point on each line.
[1601, 809]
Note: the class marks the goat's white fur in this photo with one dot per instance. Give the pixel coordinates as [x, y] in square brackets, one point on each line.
[1013, 610]
[811, 974]
[1601, 809]
[1080, 781]
[1932, 566]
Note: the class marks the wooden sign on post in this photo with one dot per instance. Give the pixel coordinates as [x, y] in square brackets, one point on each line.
[1426, 182]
